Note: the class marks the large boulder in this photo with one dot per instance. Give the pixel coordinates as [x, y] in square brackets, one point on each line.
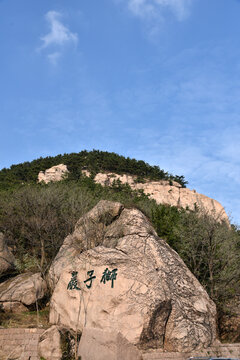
[6, 257]
[97, 344]
[133, 283]
[21, 291]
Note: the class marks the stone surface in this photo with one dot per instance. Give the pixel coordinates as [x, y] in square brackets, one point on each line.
[24, 289]
[97, 344]
[55, 173]
[19, 343]
[49, 346]
[13, 306]
[221, 351]
[6, 257]
[155, 301]
[89, 232]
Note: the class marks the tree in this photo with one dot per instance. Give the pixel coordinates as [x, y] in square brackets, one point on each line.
[36, 219]
[210, 248]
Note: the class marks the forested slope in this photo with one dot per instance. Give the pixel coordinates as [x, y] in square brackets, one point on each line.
[95, 161]
[36, 218]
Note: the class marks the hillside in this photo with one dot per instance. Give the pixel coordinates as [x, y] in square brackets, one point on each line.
[95, 161]
[36, 217]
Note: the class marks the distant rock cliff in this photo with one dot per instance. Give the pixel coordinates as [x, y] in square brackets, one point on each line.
[55, 173]
[164, 192]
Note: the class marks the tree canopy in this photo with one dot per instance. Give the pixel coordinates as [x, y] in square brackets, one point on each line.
[95, 161]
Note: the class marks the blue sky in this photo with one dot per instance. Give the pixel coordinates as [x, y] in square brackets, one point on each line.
[157, 80]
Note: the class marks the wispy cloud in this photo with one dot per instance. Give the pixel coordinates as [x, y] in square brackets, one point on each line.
[53, 58]
[153, 9]
[58, 36]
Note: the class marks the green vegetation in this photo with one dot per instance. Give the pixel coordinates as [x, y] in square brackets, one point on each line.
[37, 217]
[210, 248]
[25, 319]
[95, 161]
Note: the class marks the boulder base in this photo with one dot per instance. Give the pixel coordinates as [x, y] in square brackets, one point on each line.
[97, 344]
[49, 345]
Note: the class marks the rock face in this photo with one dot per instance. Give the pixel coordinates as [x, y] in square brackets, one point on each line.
[89, 232]
[164, 193]
[21, 291]
[97, 344]
[132, 282]
[6, 257]
[55, 173]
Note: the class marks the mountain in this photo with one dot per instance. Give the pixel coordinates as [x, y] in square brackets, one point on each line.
[35, 217]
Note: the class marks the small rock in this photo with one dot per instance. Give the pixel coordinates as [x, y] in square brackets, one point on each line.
[24, 288]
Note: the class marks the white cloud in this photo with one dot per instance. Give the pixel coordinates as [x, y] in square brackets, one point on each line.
[154, 8]
[53, 58]
[58, 37]
[59, 34]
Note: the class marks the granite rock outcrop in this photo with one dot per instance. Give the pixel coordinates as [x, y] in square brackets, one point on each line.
[162, 191]
[55, 173]
[129, 281]
[166, 192]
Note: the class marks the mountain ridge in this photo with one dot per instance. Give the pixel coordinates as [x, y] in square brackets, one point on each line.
[95, 161]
